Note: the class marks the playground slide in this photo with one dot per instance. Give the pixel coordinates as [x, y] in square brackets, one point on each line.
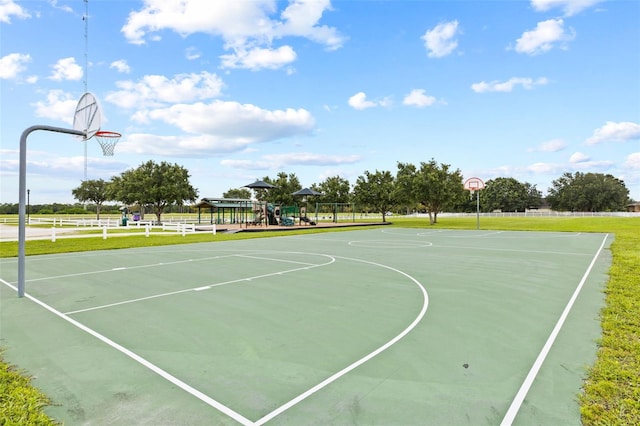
[271, 215]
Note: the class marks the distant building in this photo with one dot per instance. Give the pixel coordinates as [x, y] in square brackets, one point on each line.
[633, 207]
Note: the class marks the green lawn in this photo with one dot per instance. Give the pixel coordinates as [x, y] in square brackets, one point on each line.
[611, 393]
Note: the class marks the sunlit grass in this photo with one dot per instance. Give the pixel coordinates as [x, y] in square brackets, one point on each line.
[20, 402]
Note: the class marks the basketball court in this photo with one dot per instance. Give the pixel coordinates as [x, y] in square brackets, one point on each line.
[375, 326]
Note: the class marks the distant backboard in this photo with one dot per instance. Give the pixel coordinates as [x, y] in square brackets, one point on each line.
[473, 184]
[87, 117]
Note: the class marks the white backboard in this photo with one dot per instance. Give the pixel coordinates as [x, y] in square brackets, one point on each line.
[87, 117]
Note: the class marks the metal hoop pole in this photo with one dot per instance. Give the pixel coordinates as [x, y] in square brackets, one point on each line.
[477, 209]
[22, 191]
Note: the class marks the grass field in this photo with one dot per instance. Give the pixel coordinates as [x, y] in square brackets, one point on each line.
[612, 388]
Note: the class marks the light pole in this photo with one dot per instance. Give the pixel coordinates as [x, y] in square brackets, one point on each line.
[28, 206]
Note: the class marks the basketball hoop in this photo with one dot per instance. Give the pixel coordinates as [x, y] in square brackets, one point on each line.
[107, 141]
[473, 184]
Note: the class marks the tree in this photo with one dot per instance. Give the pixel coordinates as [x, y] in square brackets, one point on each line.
[335, 190]
[509, 195]
[588, 192]
[534, 198]
[286, 185]
[242, 193]
[156, 185]
[376, 190]
[433, 185]
[94, 191]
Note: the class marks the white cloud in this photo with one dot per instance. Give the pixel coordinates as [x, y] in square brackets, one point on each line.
[259, 58]
[192, 53]
[615, 132]
[277, 161]
[301, 18]
[418, 98]
[217, 128]
[202, 145]
[553, 145]
[544, 37]
[66, 69]
[121, 66]
[246, 164]
[307, 158]
[52, 166]
[13, 64]
[59, 106]
[633, 161]
[593, 165]
[580, 161]
[545, 168]
[440, 41]
[158, 90]
[359, 101]
[569, 7]
[509, 85]
[578, 157]
[64, 8]
[245, 26]
[234, 120]
[9, 8]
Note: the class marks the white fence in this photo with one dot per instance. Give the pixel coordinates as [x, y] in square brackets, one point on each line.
[81, 222]
[101, 223]
[536, 213]
[179, 227]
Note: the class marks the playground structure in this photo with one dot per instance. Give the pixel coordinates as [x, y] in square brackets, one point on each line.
[258, 213]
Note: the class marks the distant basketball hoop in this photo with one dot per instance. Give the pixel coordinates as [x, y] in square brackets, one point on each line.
[107, 141]
[472, 185]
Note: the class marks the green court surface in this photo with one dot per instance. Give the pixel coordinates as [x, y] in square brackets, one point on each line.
[369, 327]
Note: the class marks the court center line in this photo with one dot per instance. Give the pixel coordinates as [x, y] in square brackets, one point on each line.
[512, 412]
[362, 360]
[200, 287]
[159, 371]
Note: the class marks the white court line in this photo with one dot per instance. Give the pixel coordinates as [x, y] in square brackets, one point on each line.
[412, 231]
[151, 265]
[511, 250]
[528, 381]
[205, 287]
[217, 405]
[477, 235]
[279, 260]
[362, 360]
[179, 383]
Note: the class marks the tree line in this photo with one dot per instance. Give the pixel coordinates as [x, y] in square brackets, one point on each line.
[433, 187]
[428, 187]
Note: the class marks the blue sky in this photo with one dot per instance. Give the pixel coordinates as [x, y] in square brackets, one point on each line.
[238, 90]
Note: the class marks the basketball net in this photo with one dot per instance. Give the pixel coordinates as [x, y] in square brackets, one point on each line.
[108, 141]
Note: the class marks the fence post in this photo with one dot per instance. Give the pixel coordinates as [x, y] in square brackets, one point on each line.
[214, 229]
[53, 234]
[146, 230]
[104, 233]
